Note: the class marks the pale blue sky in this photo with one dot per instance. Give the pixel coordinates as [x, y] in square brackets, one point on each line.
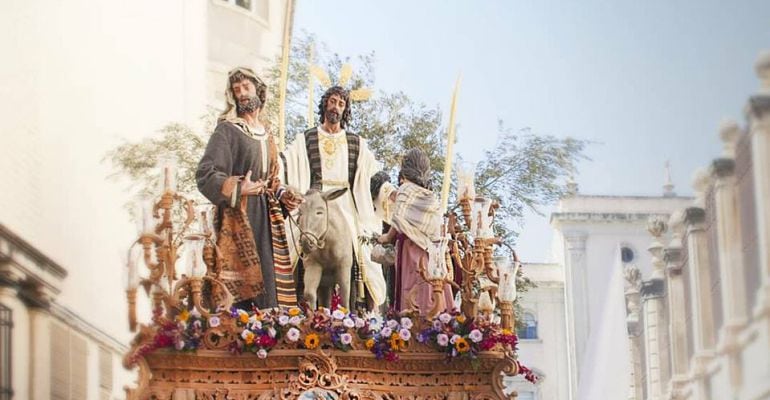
[648, 81]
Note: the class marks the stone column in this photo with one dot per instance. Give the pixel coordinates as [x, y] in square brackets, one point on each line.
[672, 256]
[40, 353]
[633, 283]
[730, 253]
[655, 318]
[577, 299]
[758, 115]
[704, 337]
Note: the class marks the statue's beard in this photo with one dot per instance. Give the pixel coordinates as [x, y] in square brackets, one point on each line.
[332, 116]
[247, 105]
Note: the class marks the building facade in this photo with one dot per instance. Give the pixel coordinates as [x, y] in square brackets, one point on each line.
[79, 78]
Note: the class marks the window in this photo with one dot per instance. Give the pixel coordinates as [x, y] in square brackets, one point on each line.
[529, 330]
[68, 364]
[626, 254]
[105, 373]
[6, 325]
[526, 396]
[259, 8]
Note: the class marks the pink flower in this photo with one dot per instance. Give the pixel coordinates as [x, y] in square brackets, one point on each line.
[385, 332]
[475, 336]
[392, 324]
[454, 338]
[442, 339]
[404, 334]
[262, 353]
[445, 318]
[214, 321]
[406, 323]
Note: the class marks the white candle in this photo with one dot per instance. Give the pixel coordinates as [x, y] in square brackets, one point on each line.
[133, 267]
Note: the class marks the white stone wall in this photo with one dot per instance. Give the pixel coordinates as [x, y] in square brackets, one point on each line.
[78, 77]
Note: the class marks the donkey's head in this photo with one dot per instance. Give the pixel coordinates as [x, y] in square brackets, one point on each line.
[314, 218]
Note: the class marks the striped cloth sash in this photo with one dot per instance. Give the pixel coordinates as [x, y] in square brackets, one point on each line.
[286, 289]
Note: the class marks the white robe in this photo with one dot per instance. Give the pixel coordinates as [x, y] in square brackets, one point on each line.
[361, 221]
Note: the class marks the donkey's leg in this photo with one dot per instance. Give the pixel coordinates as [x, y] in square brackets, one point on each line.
[312, 280]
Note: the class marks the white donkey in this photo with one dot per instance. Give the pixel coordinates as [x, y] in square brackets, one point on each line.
[327, 253]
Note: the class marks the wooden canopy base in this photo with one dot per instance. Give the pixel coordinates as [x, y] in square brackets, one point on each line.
[320, 374]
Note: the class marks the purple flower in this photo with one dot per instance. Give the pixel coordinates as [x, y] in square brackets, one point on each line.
[404, 334]
[346, 338]
[392, 324]
[406, 323]
[283, 320]
[437, 325]
[442, 339]
[214, 321]
[386, 331]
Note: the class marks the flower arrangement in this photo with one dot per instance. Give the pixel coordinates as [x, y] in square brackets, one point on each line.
[260, 331]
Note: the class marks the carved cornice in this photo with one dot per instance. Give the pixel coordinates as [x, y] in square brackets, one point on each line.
[694, 215]
[759, 106]
[652, 289]
[287, 374]
[723, 167]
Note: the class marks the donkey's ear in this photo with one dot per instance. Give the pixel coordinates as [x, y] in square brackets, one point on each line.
[333, 194]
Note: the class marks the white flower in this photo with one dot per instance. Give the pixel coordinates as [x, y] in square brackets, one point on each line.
[386, 331]
[292, 334]
[337, 314]
[283, 320]
[195, 313]
[454, 339]
[253, 319]
[404, 334]
[346, 338]
[180, 345]
[442, 339]
[437, 325]
[295, 320]
[245, 333]
[262, 353]
[348, 323]
[445, 318]
[476, 336]
[271, 332]
[214, 321]
[360, 323]
[392, 324]
[406, 323]
[256, 325]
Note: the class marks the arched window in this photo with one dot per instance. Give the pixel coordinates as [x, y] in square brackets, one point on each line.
[627, 254]
[529, 330]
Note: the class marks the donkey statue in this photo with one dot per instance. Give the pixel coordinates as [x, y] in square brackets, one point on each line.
[327, 252]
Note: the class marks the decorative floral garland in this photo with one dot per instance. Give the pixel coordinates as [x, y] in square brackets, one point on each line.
[260, 331]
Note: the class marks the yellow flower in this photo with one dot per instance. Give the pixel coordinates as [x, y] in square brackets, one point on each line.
[293, 312]
[462, 345]
[183, 316]
[244, 317]
[394, 341]
[249, 338]
[460, 319]
[369, 343]
[343, 309]
[507, 332]
[312, 341]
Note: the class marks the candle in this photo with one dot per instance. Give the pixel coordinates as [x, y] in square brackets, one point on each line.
[449, 149]
[168, 174]
[465, 180]
[148, 221]
[485, 302]
[437, 268]
[133, 268]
